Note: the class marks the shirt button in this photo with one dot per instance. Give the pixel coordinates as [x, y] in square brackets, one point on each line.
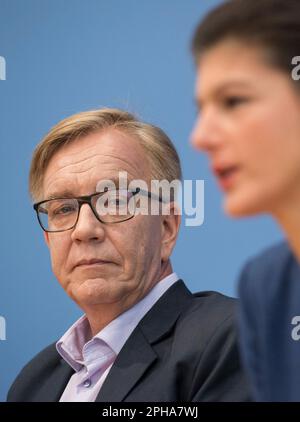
[87, 383]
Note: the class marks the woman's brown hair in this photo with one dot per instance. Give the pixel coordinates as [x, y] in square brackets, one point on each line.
[273, 25]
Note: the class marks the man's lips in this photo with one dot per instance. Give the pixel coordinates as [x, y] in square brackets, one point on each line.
[90, 262]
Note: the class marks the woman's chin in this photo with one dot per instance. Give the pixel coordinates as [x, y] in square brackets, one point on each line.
[241, 207]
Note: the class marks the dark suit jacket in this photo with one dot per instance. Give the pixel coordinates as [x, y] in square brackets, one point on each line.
[269, 292]
[184, 349]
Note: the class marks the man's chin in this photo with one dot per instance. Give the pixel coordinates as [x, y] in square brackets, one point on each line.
[92, 292]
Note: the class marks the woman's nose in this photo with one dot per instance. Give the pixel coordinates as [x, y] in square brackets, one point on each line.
[205, 135]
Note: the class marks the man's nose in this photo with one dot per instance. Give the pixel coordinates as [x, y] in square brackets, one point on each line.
[206, 135]
[88, 227]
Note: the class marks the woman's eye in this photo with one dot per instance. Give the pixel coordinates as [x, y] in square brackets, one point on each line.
[234, 101]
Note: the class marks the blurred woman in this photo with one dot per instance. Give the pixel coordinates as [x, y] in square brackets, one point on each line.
[248, 96]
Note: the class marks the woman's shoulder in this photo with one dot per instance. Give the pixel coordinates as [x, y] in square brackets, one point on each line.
[267, 272]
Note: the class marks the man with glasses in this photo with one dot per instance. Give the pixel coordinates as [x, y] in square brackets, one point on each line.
[143, 335]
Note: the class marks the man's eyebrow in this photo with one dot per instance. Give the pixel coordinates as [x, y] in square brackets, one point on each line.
[60, 194]
[67, 193]
[116, 182]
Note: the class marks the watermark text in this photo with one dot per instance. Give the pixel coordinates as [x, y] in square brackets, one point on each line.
[2, 69]
[2, 328]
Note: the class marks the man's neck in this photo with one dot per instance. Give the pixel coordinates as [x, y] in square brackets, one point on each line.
[100, 316]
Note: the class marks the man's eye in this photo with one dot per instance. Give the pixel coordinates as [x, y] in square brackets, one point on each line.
[66, 209]
[233, 101]
[119, 202]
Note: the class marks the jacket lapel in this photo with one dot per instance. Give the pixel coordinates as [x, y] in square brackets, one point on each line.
[56, 383]
[137, 353]
[133, 360]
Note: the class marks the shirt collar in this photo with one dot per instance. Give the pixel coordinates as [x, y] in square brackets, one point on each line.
[72, 344]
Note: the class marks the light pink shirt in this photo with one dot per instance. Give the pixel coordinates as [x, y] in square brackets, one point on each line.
[93, 359]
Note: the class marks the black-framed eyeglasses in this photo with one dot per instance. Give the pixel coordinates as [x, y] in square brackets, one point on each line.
[110, 206]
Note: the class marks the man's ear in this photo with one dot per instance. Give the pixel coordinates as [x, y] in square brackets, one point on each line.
[46, 237]
[170, 228]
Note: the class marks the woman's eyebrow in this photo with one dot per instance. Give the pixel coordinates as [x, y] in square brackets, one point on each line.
[231, 84]
[220, 89]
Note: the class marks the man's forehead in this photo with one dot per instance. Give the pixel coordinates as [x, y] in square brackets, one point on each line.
[70, 189]
[93, 158]
[106, 148]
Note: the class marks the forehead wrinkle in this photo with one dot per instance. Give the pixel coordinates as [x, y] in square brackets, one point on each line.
[110, 159]
[111, 172]
[71, 189]
[132, 164]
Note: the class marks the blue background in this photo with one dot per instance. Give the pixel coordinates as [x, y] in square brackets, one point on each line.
[65, 56]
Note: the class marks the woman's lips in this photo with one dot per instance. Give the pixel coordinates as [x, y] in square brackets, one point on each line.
[226, 176]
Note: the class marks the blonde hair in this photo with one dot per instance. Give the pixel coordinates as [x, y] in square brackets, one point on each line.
[161, 153]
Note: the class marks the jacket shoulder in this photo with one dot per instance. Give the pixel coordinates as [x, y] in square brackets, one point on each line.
[267, 269]
[274, 257]
[210, 313]
[212, 303]
[37, 368]
[207, 344]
